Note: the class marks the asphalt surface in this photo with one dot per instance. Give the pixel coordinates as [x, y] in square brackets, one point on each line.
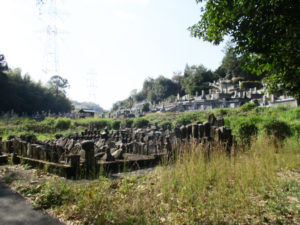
[14, 210]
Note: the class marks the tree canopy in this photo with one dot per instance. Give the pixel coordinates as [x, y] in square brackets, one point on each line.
[58, 84]
[19, 93]
[196, 79]
[266, 33]
[234, 65]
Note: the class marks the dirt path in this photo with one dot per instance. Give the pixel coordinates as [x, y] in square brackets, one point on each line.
[14, 210]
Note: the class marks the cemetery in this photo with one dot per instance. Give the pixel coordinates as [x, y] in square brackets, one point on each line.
[93, 151]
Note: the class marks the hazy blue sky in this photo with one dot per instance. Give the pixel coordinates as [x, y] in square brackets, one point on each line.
[107, 47]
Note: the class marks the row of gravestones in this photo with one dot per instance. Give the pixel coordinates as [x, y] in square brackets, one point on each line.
[112, 146]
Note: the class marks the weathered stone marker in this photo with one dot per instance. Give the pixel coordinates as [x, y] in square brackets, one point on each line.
[90, 164]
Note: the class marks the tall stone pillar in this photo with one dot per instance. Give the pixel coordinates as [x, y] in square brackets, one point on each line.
[90, 163]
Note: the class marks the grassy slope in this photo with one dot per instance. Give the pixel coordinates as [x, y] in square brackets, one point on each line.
[257, 185]
[233, 117]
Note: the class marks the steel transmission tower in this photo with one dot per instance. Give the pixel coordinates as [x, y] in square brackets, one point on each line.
[92, 85]
[49, 16]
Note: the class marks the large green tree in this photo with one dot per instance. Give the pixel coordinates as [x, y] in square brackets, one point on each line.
[265, 32]
[233, 65]
[196, 79]
[58, 84]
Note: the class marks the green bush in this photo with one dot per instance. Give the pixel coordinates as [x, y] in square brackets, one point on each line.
[277, 128]
[35, 126]
[146, 107]
[49, 121]
[251, 84]
[116, 124]
[140, 123]
[126, 123]
[165, 124]
[295, 128]
[246, 129]
[248, 107]
[222, 112]
[62, 123]
[182, 121]
[100, 124]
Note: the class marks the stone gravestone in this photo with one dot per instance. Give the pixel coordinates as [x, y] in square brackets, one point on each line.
[90, 164]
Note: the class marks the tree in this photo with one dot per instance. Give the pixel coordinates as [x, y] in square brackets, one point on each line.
[146, 107]
[58, 84]
[162, 88]
[234, 66]
[266, 33]
[3, 64]
[196, 79]
[19, 93]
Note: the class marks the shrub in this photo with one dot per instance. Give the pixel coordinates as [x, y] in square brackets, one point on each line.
[295, 128]
[248, 107]
[182, 121]
[100, 124]
[146, 107]
[49, 121]
[126, 123]
[251, 84]
[35, 126]
[222, 112]
[246, 130]
[165, 124]
[140, 123]
[116, 124]
[278, 129]
[62, 124]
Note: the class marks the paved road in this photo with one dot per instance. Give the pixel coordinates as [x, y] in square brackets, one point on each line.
[14, 210]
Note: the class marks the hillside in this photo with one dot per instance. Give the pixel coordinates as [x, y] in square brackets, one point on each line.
[258, 183]
[21, 95]
[87, 105]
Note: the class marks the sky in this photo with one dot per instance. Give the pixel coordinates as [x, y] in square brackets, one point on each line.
[105, 48]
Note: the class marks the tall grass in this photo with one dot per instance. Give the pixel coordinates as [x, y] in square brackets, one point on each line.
[197, 188]
[224, 189]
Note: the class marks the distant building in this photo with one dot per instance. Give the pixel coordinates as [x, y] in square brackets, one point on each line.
[83, 113]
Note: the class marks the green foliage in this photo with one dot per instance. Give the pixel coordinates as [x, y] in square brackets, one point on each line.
[127, 123]
[8, 179]
[19, 93]
[140, 123]
[161, 89]
[182, 121]
[195, 79]
[58, 85]
[146, 107]
[251, 84]
[3, 64]
[246, 130]
[49, 121]
[248, 107]
[52, 195]
[295, 128]
[265, 34]
[233, 66]
[277, 128]
[165, 124]
[116, 124]
[63, 123]
[100, 123]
